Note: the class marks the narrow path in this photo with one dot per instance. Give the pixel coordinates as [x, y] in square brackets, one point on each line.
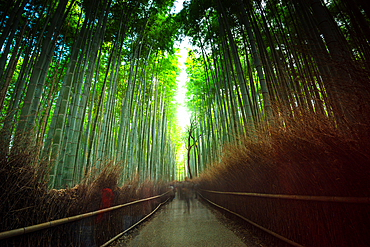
[174, 225]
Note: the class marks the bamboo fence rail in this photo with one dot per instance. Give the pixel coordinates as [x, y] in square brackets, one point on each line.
[255, 224]
[29, 229]
[298, 197]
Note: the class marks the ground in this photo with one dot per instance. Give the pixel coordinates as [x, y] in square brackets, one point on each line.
[174, 225]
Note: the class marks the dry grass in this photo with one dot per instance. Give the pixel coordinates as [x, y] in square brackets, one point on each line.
[25, 201]
[301, 155]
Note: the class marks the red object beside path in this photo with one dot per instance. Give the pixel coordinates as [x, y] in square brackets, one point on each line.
[107, 198]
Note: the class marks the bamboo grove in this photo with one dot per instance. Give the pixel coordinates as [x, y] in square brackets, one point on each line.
[254, 62]
[87, 82]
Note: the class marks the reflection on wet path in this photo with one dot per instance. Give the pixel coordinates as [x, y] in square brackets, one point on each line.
[175, 225]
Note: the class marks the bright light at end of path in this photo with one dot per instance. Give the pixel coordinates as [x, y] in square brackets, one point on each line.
[183, 115]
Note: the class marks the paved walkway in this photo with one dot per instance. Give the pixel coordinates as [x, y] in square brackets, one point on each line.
[174, 226]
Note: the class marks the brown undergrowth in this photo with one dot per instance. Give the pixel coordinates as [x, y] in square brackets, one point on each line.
[25, 201]
[303, 154]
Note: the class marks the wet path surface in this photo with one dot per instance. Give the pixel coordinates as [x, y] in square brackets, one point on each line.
[174, 225]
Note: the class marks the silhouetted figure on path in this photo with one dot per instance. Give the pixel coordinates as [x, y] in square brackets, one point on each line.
[186, 195]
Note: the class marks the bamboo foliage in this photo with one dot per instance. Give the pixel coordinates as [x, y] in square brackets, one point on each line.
[258, 60]
[110, 92]
[89, 81]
